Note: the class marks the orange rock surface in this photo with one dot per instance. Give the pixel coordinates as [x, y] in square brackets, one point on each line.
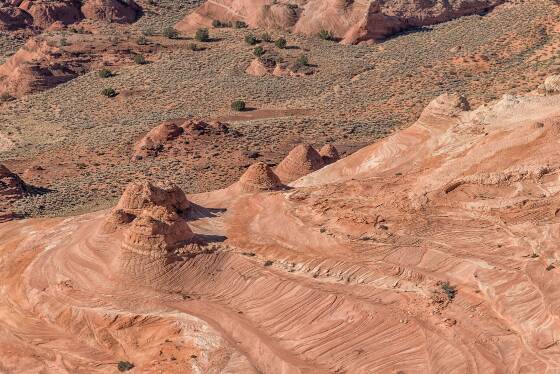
[432, 251]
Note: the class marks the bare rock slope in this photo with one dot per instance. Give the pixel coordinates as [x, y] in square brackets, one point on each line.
[350, 21]
[434, 250]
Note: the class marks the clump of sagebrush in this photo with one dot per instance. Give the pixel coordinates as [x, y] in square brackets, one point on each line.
[265, 37]
[251, 40]
[5, 97]
[302, 60]
[258, 51]
[240, 25]
[170, 33]
[219, 24]
[194, 47]
[281, 43]
[142, 40]
[326, 35]
[109, 92]
[202, 35]
[105, 73]
[238, 105]
[140, 59]
[449, 290]
[124, 366]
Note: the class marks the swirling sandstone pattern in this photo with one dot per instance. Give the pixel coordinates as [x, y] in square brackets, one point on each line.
[344, 272]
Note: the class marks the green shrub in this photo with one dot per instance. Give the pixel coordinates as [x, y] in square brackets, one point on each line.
[265, 37]
[302, 60]
[219, 24]
[105, 73]
[326, 35]
[170, 33]
[202, 35]
[449, 290]
[194, 47]
[258, 51]
[281, 43]
[142, 40]
[125, 366]
[238, 105]
[140, 59]
[148, 32]
[64, 42]
[240, 25]
[251, 40]
[109, 92]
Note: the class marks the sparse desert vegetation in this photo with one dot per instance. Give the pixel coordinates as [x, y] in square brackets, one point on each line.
[356, 94]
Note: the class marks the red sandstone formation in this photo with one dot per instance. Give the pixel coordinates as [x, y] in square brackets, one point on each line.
[165, 134]
[44, 62]
[151, 216]
[11, 186]
[302, 160]
[350, 21]
[329, 154]
[141, 195]
[431, 251]
[45, 13]
[111, 10]
[12, 18]
[37, 66]
[259, 177]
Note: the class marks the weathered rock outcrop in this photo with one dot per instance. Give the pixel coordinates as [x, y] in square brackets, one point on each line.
[329, 154]
[552, 85]
[152, 218]
[259, 177]
[163, 135]
[12, 18]
[111, 10]
[11, 185]
[37, 66]
[349, 21]
[45, 13]
[301, 160]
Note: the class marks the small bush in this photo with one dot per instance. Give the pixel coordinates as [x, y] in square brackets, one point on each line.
[194, 47]
[148, 32]
[202, 35]
[240, 25]
[219, 24]
[125, 366]
[170, 33]
[449, 290]
[64, 42]
[238, 105]
[326, 35]
[105, 73]
[109, 92]
[142, 40]
[302, 60]
[140, 59]
[258, 51]
[268, 263]
[251, 40]
[265, 37]
[5, 97]
[281, 43]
